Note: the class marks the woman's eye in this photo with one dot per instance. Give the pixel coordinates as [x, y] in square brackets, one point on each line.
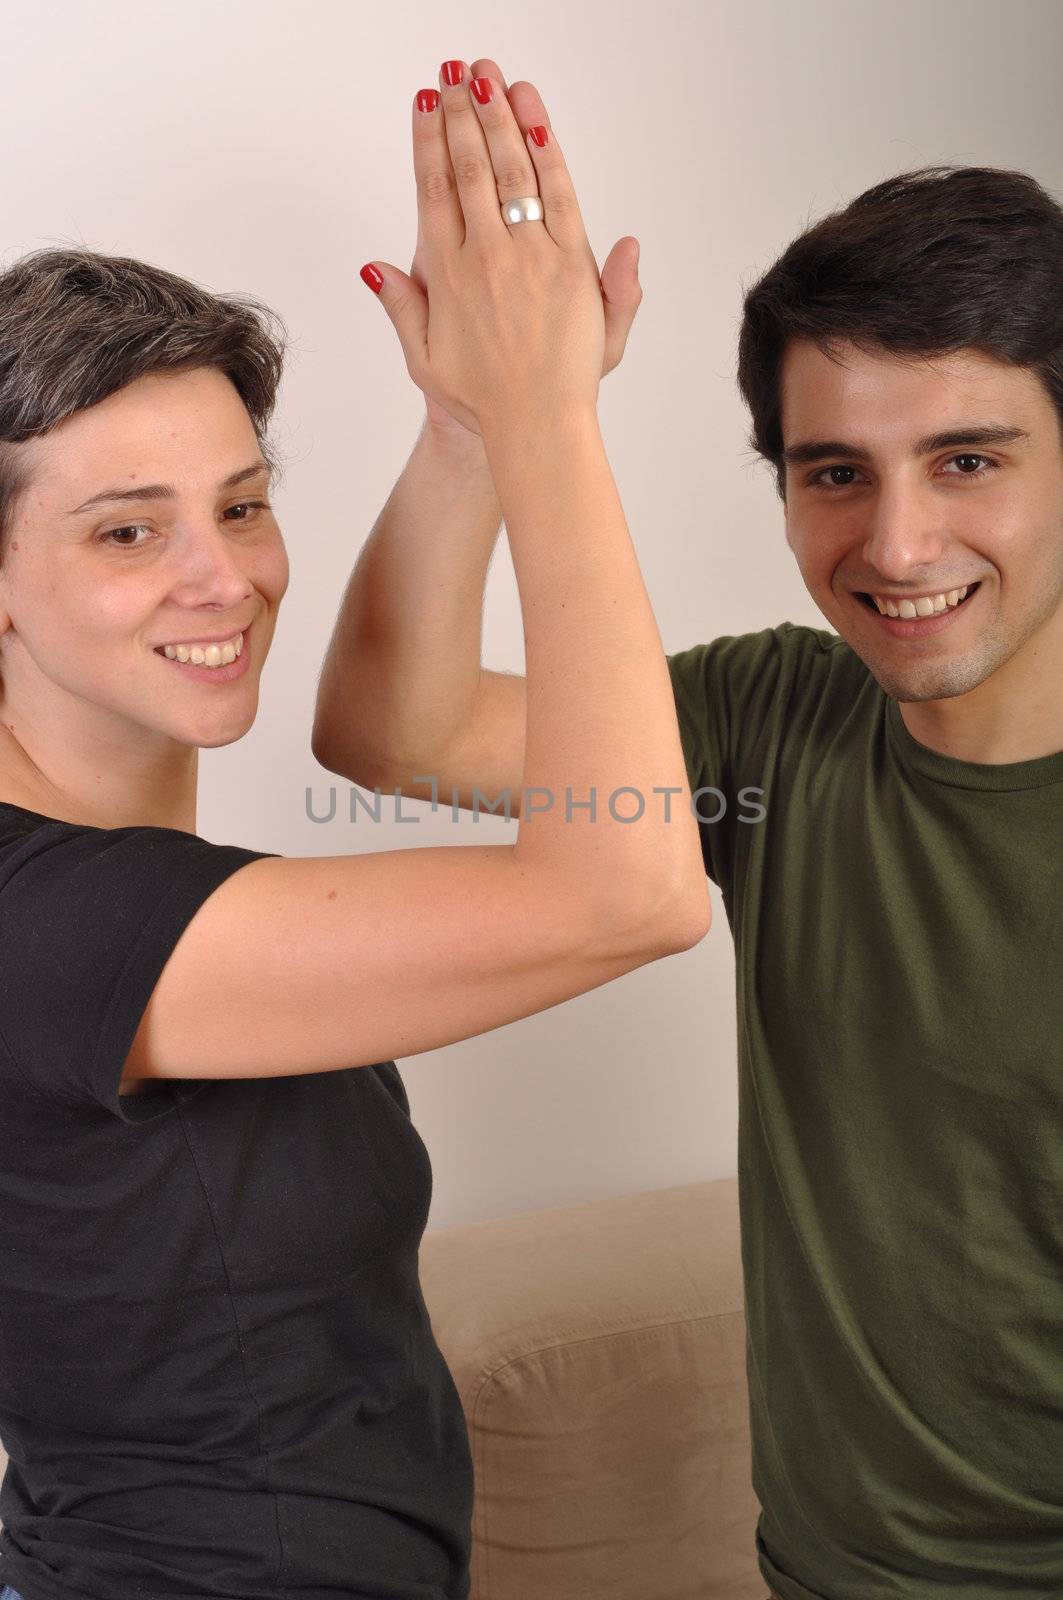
[969, 466]
[111, 534]
[250, 505]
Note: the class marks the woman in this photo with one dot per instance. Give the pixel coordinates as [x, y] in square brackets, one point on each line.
[217, 1372]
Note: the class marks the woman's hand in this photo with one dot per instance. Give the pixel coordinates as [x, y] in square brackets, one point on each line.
[621, 290]
[497, 319]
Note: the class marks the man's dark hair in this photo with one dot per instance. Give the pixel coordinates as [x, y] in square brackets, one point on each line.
[931, 261]
[76, 326]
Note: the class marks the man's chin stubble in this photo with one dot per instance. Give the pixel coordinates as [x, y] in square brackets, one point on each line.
[943, 682]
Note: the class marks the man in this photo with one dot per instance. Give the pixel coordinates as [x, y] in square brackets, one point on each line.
[895, 907]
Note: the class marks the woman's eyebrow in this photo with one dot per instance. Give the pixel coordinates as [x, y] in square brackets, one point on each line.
[165, 491]
[951, 438]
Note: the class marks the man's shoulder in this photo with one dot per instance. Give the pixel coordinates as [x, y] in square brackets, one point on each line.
[771, 658]
[763, 692]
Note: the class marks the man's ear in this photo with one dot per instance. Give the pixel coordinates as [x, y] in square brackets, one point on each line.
[781, 484]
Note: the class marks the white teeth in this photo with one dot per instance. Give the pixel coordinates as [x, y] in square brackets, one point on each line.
[211, 655]
[926, 606]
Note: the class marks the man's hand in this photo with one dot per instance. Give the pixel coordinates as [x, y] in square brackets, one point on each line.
[621, 291]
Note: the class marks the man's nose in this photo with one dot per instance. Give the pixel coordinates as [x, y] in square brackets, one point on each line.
[904, 531]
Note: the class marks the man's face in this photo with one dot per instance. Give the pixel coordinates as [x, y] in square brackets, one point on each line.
[87, 597]
[901, 484]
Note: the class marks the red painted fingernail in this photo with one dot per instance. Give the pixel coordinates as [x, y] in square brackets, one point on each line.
[540, 136]
[427, 99]
[481, 88]
[371, 276]
[453, 72]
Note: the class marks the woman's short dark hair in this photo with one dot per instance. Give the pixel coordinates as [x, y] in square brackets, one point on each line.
[75, 326]
[931, 261]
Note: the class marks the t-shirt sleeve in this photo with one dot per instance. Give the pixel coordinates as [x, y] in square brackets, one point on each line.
[729, 698]
[88, 919]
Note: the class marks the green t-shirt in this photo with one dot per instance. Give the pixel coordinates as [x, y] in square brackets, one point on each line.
[896, 917]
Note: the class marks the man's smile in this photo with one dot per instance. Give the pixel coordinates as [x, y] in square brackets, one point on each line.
[917, 627]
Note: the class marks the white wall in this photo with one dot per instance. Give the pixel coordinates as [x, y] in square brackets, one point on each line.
[263, 147]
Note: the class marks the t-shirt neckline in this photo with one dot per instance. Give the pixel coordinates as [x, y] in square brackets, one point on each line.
[11, 805]
[1004, 775]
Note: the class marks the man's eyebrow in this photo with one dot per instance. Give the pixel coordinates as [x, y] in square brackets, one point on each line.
[166, 491]
[951, 439]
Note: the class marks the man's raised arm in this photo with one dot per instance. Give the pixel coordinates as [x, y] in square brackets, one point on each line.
[402, 692]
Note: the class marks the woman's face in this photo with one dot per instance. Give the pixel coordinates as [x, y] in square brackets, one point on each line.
[88, 594]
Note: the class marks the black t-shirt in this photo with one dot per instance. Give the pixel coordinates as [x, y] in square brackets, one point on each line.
[217, 1372]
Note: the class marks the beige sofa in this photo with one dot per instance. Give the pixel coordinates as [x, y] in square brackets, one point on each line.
[599, 1351]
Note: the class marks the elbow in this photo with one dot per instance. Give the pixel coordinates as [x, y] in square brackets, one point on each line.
[321, 746]
[661, 922]
[319, 750]
[326, 756]
[681, 920]
[691, 922]
[346, 761]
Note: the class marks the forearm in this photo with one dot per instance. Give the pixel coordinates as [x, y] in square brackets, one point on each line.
[402, 666]
[600, 711]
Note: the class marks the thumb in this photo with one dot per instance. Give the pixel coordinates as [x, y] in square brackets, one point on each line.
[407, 306]
[621, 296]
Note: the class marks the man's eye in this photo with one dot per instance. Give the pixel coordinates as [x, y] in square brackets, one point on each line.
[836, 482]
[250, 506]
[968, 457]
[988, 466]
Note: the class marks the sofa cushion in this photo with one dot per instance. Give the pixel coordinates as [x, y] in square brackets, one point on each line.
[599, 1351]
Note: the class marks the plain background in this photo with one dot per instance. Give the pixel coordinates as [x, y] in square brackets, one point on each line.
[264, 147]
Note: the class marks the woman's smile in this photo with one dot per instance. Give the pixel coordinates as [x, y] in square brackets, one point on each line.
[223, 672]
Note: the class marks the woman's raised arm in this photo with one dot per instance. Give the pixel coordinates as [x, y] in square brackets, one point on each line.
[304, 965]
